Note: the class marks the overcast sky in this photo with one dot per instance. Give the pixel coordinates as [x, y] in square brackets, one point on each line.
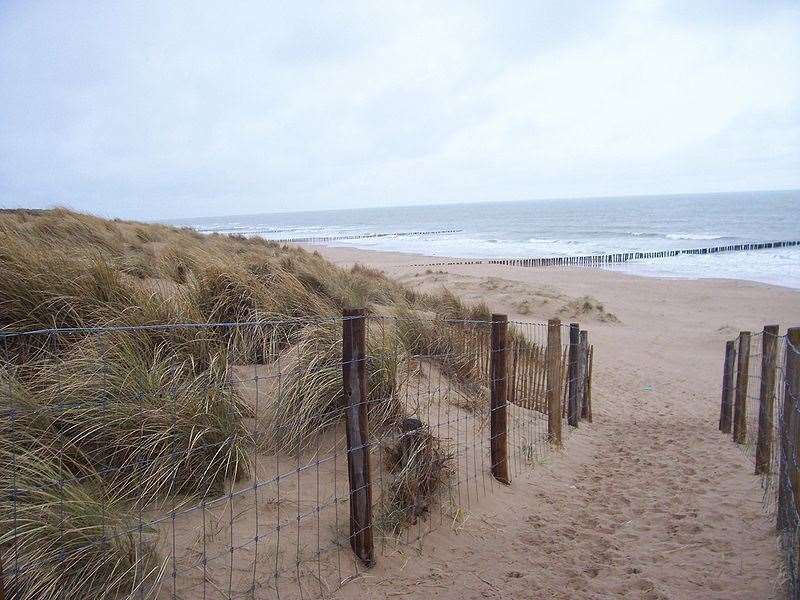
[169, 109]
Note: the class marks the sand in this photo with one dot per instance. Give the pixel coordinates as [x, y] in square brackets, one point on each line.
[649, 501]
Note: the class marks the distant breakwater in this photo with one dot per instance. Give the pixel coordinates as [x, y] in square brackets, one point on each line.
[596, 260]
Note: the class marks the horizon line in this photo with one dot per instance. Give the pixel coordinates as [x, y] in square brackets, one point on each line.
[541, 199]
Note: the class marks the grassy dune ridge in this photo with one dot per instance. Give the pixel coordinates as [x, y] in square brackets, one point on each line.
[96, 427]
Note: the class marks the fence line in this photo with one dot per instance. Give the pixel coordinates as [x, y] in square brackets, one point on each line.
[599, 260]
[761, 400]
[215, 460]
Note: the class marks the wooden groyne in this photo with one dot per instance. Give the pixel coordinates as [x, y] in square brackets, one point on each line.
[598, 260]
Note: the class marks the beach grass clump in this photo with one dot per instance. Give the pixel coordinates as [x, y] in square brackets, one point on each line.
[452, 344]
[588, 307]
[40, 287]
[92, 437]
[71, 229]
[308, 394]
[146, 418]
[456, 337]
[65, 536]
[421, 334]
[417, 467]
[343, 288]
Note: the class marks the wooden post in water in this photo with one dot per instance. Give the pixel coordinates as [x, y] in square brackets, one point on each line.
[726, 407]
[574, 374]
[498, 380]
[354, 379]
[766, 399]
[553, 360]
[740, 401]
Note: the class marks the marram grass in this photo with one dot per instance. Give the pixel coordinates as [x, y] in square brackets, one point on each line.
[96, 427]
[66, 537]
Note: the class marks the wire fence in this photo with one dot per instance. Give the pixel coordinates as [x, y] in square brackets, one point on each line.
[263, 459]
[759, 406]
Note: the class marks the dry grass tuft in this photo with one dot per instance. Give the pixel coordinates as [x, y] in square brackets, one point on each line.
[417, 468]
[587, 306]
[309, 395]
[68, 537]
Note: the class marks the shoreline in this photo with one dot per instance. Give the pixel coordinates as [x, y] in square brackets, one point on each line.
[391, 259]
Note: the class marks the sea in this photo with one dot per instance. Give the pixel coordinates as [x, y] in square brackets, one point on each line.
[563, 227]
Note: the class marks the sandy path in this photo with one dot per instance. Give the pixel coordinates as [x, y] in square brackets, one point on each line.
[648, 502]
[645, 503]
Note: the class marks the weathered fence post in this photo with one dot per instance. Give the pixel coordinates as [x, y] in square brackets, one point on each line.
[740, 403]
[354, 379]
[584, 373]
[498, 378]
[726, 408]
[766, 399]
[793, 392]
[553, 360]
[587, 394]
[574, 377]
[789, 470]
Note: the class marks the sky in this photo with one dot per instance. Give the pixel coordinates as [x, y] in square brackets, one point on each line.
[158, 110]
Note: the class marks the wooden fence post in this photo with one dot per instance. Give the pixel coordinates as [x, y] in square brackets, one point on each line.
[498, 378]
[726, 407]
[740, 402]
[354, 379]
[766, 399]
[574, 377]
[793, 392]
[564, 380]
[584, 373]
[588, 396]
[789, 470]
[553, 360]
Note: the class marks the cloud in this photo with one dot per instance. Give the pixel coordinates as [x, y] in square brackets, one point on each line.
[160, 110]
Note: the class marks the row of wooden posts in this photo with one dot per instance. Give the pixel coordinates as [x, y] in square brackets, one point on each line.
[354, 380]
[594, 260]
[733, 409]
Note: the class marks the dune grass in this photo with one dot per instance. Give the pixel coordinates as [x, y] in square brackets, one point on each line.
[99, 424]
[63, 535]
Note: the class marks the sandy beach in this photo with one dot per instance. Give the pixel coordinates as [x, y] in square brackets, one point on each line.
[649, 501]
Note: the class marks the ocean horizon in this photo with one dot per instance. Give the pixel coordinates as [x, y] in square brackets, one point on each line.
[562, 227]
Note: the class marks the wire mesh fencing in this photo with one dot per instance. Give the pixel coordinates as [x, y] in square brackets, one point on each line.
[759, 407]
[274, 458]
